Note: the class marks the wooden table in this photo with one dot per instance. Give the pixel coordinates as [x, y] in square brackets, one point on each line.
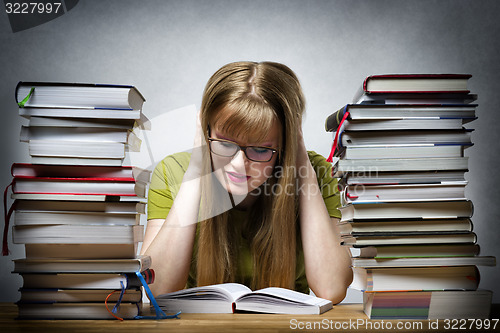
[343, 318]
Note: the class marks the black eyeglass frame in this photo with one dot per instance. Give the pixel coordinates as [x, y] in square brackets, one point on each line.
[242, 148]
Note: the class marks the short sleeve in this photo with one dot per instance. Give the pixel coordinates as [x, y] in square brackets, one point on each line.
[165, 183]
[327, 183]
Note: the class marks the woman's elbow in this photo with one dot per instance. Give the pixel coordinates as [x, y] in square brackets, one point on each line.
[335, 295]
[335, 291]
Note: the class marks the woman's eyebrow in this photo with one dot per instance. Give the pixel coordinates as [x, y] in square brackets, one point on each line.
[260, 144]
[219, 136]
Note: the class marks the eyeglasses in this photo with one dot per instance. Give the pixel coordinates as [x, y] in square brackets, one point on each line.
[227, 148]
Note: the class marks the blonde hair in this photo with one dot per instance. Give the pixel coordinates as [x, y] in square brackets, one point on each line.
[244, 99]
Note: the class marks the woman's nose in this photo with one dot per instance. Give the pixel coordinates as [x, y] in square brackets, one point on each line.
[239, 161]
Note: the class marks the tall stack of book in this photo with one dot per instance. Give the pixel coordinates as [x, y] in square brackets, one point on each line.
[399, 153]
[77, 206]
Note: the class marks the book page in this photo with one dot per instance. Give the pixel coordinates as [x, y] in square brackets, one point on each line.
[236, 290]
[293, 296]
[227, 291]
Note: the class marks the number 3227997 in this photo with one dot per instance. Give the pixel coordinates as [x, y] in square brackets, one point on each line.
[32, 7]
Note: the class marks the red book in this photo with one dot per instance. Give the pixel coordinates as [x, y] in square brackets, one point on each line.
[78, 180]
[416, 83]
[109, 173]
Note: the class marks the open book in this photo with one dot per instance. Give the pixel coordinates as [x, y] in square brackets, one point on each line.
[232, 297]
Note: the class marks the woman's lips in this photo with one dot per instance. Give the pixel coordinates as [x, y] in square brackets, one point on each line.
[237, 177]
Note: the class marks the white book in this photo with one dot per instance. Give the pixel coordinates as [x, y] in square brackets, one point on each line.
[424, 262]
[420, 251]
[409, 239]
[378, 152]
[107, 207]
[89, 134]
[381, 124]
[78, 160]
[415, 278]
[51, 265]
[80, 281]
[81, 251]
[231, 297]
[128, 173]
[77, 295]
[123, 124]
[405, 226]
[371, 167]
[76, 311]
[80, 113]
[429, 177]
[407, 210]
[406, 192]
[77, 234]
[74, 217]
[411, 99]
[78, 95]
[78, 149]
[404, 137]
[79, 187]
[72, 197]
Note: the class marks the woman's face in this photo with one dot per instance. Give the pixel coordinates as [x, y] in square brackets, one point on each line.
[237, 174]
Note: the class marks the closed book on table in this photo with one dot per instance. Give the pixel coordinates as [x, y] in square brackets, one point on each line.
[405, 137]
[407, 210]
[81, 251]
[69, 122]
[78, 95]
[76, 234]
[450, 304]
[77, 150]
[383, 178]
[109, 173]
[76, 311]
[78, 186]
[392, 116]
[421, 83]
[342, 168]
[80, 281]
[423, 151]
[420, 262]
[89, 112]
[404, 192]
[418, 251]
[74, 217]
[416, 278]
[78, 295]
[384, 227]
[408, 239]
[47, 265]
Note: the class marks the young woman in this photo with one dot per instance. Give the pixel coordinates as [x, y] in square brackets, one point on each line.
[250, 204]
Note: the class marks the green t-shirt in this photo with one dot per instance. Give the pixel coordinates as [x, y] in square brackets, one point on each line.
[165, 183]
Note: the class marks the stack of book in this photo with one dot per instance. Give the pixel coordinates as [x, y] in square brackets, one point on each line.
[77, 206]
[399, 154]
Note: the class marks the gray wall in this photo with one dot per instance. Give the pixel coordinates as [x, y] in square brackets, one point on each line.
[168, 49]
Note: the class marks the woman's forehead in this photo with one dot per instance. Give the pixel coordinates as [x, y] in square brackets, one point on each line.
[248, 137]
[249, 128]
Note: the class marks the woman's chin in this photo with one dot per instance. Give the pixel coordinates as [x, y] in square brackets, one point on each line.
[238, 189]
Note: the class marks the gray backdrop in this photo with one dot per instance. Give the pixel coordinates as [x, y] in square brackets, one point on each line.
[168, 49]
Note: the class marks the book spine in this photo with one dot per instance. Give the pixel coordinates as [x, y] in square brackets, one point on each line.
[333, 121]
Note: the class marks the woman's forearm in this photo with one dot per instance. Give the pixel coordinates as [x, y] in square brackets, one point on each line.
[171, 244]
[327, 263]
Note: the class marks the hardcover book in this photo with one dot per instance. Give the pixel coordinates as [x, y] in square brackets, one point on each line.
[232, 297]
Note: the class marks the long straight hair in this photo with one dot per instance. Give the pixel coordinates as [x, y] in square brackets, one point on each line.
[244, 99]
